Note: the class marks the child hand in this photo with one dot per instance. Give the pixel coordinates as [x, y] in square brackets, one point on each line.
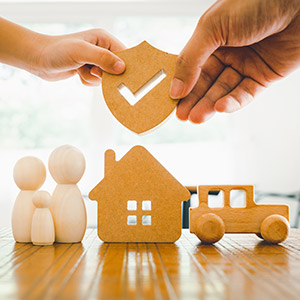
[86, 53]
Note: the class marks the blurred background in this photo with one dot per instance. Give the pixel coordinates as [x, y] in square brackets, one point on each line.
[259, 145]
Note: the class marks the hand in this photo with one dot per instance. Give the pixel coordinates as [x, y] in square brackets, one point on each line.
[86, 53]
[237, 49]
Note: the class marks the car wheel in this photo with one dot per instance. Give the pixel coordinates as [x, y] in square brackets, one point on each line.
[275, 229]
[210, 228]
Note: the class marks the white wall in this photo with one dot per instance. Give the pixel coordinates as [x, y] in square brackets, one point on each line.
[265, 138]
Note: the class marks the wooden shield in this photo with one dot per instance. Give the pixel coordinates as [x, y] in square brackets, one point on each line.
[143, 63]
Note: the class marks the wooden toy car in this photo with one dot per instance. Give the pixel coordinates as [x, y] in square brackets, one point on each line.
[269, 222]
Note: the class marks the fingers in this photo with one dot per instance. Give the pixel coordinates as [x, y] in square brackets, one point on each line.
[96, 71]
[229, 93]
[239, 97]
[87, 77]
[102, 38]
[103, 58]
[85, 82]
[210, 72]
[191, 59]
[205, 108]
[108, 41]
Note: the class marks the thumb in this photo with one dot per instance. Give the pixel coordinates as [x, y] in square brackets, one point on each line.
[101, 57]
[191, 59]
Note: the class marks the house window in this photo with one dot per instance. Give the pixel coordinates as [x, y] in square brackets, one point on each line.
[131, 220]
[146, 220]
[146, 205]
[131, 205]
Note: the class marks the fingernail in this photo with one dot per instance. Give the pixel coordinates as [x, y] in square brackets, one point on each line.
[176, 88]
[119, 66]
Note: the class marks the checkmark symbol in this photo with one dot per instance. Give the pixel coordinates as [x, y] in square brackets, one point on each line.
[133, 98]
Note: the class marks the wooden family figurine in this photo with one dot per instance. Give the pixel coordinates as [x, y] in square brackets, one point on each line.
[67, 165]
[29, 176]
[42, 228]
[39, 218]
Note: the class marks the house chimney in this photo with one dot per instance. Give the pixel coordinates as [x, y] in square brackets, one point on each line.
[110, 159]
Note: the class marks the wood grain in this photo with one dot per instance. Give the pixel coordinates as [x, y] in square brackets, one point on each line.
[240, 266]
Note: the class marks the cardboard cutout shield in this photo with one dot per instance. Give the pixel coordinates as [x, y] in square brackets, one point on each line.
[144, 63]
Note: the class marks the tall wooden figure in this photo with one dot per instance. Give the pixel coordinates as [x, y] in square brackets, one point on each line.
[67, 165]
[42, 229]
[29, 175]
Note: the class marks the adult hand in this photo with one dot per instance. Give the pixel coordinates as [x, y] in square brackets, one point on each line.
[237, 49]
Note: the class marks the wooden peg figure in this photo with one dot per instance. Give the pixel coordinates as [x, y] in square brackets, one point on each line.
[67, 165]
[42, 229]
[29, 176]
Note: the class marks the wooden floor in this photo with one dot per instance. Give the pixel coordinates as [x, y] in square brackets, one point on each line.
[238, 267]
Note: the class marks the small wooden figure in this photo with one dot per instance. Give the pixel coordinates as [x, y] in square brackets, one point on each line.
[269, 222]
[67, 165]
[42, 229]
[144, 63]
[29, 176]
[138, 200]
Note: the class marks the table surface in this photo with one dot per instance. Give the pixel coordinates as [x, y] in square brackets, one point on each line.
[240, 266]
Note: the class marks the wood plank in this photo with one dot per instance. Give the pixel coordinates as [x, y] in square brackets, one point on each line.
[109, 280]
[239, 266]
[66, 257]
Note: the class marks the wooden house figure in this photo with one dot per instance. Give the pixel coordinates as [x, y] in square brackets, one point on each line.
[138, 199]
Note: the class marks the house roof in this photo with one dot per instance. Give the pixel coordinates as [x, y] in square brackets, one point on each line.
[137, 173]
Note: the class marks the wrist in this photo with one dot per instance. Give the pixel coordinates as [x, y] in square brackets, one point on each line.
[34, 56]
[21, 47]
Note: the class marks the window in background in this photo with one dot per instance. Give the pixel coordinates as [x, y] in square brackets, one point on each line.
[39, 114]
[36, 116]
